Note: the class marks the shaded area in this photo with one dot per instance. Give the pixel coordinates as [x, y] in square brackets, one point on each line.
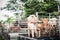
[25, 37]
[1, 38]
[4, 36]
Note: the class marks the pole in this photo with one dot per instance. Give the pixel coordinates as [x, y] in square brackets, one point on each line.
[49, 16]
[37, 15]
[59, 25]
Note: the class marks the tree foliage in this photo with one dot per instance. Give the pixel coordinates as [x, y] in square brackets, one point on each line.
[10, 5]
[15, 6]
[33, 6]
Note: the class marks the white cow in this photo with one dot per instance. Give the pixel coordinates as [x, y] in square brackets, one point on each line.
[31, 24]
[53, 21]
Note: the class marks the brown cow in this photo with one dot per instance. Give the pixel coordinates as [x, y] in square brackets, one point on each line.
[45, 27]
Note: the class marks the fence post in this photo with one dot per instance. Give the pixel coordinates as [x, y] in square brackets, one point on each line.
[59, 23]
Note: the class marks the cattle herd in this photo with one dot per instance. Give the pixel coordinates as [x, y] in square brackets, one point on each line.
[42, 28]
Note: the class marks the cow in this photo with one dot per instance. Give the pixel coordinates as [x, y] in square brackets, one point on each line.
[45, 28]
[31, 21]
[53, 25]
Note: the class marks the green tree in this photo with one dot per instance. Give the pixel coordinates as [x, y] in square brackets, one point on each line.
[9, 20]
[16, 6]
[33, 6]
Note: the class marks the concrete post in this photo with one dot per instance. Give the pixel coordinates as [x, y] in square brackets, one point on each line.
[37, 15]
[59, 24]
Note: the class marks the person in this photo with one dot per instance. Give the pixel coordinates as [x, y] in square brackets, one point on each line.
[15, 28]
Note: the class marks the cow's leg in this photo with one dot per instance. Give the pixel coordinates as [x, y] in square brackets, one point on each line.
[35, 31]
[39, 33]
[28, 32]
[32, 32]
